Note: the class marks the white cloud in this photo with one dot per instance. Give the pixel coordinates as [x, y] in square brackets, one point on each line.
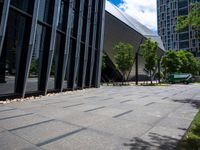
[143, 11]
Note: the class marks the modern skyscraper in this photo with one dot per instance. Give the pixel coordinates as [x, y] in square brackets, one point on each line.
[50, 45]
[168, 13]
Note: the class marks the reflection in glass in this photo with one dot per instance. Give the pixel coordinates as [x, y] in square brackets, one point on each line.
[25, 5]
[46, 11]
[12, 47]
[34, 72]
[63, 15]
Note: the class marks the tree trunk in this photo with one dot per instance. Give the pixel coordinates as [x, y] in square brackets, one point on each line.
[151, 77]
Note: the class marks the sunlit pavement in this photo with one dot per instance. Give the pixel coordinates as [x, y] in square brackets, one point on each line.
[117, 118]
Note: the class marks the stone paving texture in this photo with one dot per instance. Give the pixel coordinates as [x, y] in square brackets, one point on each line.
[108, 118]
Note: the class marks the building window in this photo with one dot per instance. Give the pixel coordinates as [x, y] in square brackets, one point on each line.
[25, 5]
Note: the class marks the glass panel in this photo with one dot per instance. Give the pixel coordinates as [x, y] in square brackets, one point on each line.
[1, 8]
[36, 63]
[64, 7]
[56, 68]
[25, 5]
[13, 44]
[46, 11]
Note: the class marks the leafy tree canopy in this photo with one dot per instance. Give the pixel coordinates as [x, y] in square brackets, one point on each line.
[148, 49]
[124, 57]
[171, 62]
[192, 19]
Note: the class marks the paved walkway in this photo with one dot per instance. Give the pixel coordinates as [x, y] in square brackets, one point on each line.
[108, 118]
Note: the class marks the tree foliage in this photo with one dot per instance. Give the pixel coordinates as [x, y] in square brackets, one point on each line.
[170, 62]
[189, 64]
[103, 60]
[124, 58]
[148, 49]
[34, 67]
[181, 61]
[191, 20]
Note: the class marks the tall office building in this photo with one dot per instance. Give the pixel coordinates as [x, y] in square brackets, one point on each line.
[168, 12]
[50, 45]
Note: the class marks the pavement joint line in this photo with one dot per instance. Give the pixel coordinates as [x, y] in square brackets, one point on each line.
[94, 109]
[31, 125]
[162, 118]
[73, 105]
[144, 96]
[17, 116]
[126, 101]
[55, 103]
[8, 110]
[91, 97]
[128, 95]
[149, 104]
[106, 99]
[74, 96]
[122, 114]
[165, 98]
[59, 137]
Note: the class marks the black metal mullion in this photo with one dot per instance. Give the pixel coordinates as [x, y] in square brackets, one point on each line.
[87, 43]
[100, 46]
[4, 20]
[78, 43]
[67, 42]
[93, 42]
[52, 44]
[31, 44]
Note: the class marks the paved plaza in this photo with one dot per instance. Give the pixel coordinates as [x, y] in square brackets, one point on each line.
[108, 118]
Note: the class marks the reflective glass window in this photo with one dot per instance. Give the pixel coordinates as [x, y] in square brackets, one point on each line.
[25, 5]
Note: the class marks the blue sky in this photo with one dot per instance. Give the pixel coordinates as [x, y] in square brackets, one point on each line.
[143, 11]
[116, 2]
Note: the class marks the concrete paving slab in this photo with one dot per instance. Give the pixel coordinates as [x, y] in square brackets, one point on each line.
[12, 142]
[42, 132]
[129, 117]
[88, 140]
[121, 128]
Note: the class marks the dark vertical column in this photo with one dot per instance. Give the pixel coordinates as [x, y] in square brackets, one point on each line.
[159, 60]
[52, 46]
[82, 81]
[100, 46]
[30, 46]
[137, 62]
[89, 58]
[3, 62]
[136, 68]
[93, 42]
[78, 45]
[4, 19]
[67, 42]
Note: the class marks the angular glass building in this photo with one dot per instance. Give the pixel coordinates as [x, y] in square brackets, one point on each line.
[120, 27]
[168, 13]
[50, 45]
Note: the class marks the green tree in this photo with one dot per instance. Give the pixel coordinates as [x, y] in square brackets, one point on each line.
[170, 62]
[124, 58]
[103, 60]
[191, 20]
[148, 49]
[34, 67]
[189, 64]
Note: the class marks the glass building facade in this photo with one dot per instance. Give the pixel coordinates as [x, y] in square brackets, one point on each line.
[50, 45]
[168, 12]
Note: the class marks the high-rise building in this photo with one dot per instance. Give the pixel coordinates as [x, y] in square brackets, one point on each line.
[50, 45]
[168, 12]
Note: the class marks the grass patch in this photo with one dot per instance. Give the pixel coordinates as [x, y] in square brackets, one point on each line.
[191, 140]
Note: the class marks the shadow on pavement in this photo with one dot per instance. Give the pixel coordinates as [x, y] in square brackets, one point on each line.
[193, 102]
[155, 141]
